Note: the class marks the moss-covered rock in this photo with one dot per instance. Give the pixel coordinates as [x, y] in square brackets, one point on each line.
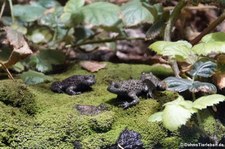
[17, 94]
[102, 122]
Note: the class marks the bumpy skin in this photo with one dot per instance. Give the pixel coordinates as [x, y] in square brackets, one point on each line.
[133, 88]
[74, 85]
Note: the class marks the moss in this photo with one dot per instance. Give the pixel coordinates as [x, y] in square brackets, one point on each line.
[170, 142]
[16, 94]
[102, 122]
[211, 126]
[57, 124]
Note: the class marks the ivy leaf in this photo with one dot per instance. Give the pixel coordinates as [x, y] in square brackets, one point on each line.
[134, 13]
[177, 84]
[101, 14]
[203, 69]
[20, 11]
[210, 100]
[156, 117]
[203, 87]
[33, 77]
[180, 50]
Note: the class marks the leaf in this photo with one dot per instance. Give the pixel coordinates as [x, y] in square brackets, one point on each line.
[72, 6]
[134, 13]
[174, 116]
[21, 11]
[33, 77]
[205, 49]
[180, 50]
[101, 14]
[21, 49]
[92, 66]
[210, 100]
[48, 3]
[156, 117]
[203, 87]
[177, 84]
[203, 69]
[218, 36]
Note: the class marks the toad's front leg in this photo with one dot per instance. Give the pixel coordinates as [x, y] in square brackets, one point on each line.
[71, 90]
[135, 100]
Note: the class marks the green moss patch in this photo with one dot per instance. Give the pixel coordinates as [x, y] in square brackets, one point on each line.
[57, 123]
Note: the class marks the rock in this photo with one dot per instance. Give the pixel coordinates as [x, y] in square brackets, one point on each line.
[90, 109]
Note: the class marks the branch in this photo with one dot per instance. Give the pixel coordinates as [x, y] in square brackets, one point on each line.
[211, 27]
[108, 40]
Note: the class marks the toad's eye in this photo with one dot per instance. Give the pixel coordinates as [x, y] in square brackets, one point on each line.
[116, 85]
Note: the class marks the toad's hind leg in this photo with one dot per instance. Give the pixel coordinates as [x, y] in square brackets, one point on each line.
[71, 90]
[135, 100]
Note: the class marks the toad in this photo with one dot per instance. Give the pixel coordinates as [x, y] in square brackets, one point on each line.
[74, 85]
[133, 88]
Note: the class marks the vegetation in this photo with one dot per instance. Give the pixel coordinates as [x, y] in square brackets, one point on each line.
[63, 38]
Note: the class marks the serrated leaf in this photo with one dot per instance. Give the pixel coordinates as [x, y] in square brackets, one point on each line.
[33, 77]
[210, 100]
[156, 117]
[174, 116]
[177, 84]
[205, 49]
[134, 13]
[203, 87]
[180, 50]
[20, 11]
[203, 69]
[218, 36]
[101, 14]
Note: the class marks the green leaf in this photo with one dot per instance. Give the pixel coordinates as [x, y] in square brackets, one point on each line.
[174, 116]
[71, 7]
[33, 77]
[156, 117]
[203, 69]
[218, 36]
[177, 84]
[210, 100]
[205, 49]
[101, 14]
[21, 11]
[48, 3]
[204, 87]
[53, 19]
[180, 50]
[134, 13]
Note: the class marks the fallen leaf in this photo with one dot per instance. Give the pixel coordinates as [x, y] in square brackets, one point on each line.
[21, 49]
[219, 79]
[92, 66]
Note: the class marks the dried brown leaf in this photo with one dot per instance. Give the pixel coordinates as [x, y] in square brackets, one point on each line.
[92, 66]
[20, 47]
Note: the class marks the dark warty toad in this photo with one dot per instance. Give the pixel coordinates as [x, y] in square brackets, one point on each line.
[133, 88]
[74, 85]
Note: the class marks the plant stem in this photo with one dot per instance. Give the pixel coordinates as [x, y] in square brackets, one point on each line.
[2, 9]
[167, 33]
[6, 69]
[211, 27]
[108, 40]
[11, 10]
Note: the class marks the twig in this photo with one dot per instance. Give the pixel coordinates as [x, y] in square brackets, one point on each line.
[120, 146]
[211, 27]
[108, 40]
[2, 9]
[201, 7]
[6, 69]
